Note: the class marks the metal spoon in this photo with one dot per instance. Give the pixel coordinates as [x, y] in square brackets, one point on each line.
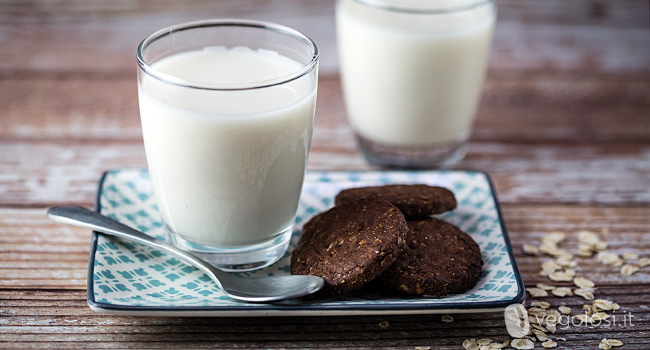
[253, 289]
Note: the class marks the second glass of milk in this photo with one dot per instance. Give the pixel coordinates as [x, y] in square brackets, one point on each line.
[227, 111]
[412, 73]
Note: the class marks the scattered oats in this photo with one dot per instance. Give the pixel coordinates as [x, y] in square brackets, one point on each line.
[535, 320]
[554, 314]
[484, 341]
[541, 336]
[545, 286]
[584, 318]
[615, 342]
[551, 328]
[589, 309]
[554, 251]
[447, 318]
[383, 324]
[549, 344]
[582, 282]
[551, 265]
[553, 237]
[565, 261]
[497, 346]
[609, 258]
[585, 250]
[600, 246]
[550, 242]
[615, 307]
[422, 348]
[630, 256]
[560, 276]
[643, 262]
[548, 248]
[589, 243]
[585, 293]
[536, 311]
[565, 310]
[522, 344]
[484, 347]
[588, 237]
[561, 292]
[542, 304]
[538, 327]
[606, 257]
[602, 304]
[537, 292]
[604, 344]
[506, 343]
[628, 270]
[530, 249]
[470, 344]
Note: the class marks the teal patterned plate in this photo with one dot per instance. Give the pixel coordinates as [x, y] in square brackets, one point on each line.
[129, 278]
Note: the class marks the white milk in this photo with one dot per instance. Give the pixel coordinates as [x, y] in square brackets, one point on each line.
[412, 79]
[227, 166]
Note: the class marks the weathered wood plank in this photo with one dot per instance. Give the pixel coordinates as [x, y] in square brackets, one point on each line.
[515, 107]
[371, 331]
[564, 108]
[27, 260]
[44, 173]
[546, 35]
[563, 129]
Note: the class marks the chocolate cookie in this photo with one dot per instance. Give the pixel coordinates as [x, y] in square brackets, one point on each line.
[438, 259]
[350, 244]
[414, 201]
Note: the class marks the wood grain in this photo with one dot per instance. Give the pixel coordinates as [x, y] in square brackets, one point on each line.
[48, 312]
[567, 108]
[563, 130]
[46, 172]
[72, 36]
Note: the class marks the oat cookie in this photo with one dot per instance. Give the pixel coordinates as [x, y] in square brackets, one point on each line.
[415, 201]
[438, 259]
[350, 244]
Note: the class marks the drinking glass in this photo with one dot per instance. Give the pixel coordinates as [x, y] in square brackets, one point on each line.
[227, 110]
[412, 73]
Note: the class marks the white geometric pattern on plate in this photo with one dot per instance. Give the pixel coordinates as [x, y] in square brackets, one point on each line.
[129, 278]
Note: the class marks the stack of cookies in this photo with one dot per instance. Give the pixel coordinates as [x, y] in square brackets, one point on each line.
[387, 233]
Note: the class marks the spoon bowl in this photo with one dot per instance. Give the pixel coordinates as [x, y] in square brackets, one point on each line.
[250, 289]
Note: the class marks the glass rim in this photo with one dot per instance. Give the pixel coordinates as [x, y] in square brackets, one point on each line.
[414, 10]
[229, 22]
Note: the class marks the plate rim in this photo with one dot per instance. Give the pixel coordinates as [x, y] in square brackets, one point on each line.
[279, 309]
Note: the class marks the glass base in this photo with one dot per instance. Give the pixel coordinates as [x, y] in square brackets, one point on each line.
[413, 157]
[236, 259]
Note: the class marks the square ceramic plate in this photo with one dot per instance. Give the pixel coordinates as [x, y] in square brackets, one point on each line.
[129, 278]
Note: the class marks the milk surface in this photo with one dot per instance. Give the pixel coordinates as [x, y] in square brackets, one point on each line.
[412, 80]
[227, 166]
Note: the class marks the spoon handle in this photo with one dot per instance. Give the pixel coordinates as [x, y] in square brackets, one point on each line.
[82, 217]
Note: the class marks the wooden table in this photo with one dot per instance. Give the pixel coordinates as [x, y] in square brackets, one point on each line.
[563, 130]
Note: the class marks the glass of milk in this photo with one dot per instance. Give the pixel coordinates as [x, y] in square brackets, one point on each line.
[412, 73]
[227, 111]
